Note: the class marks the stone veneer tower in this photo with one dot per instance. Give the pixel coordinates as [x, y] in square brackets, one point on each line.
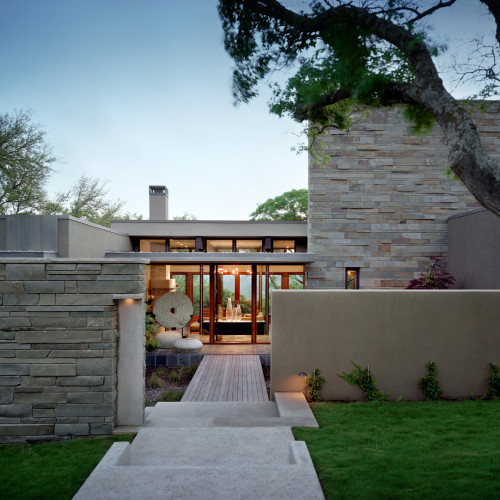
[381, 203]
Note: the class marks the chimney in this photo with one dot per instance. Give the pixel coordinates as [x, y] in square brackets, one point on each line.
[158, 203]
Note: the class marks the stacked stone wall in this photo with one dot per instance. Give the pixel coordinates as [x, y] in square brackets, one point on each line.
[58, 346]
[381, 203]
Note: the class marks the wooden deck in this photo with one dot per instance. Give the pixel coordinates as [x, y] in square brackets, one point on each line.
[228, 378]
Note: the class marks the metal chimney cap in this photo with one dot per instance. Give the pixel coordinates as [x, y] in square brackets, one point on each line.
[162, 190]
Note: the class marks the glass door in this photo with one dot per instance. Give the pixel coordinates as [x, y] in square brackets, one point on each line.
[233, 304]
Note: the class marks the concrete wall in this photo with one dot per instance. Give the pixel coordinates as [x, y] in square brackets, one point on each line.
[59, 345]
[61, 235]
[394, 332]
[382, 201]
[79, 238]
[473, 250]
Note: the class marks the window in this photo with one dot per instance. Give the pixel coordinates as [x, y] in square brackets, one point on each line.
[352, 278]
[248, 246]
[219, 245]
[182, 245]
[283, 246]
[152, 246]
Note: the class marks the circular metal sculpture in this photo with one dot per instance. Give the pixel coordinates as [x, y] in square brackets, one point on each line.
[173, 310]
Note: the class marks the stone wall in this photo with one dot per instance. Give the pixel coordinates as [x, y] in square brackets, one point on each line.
[381, 203]
[59, 336]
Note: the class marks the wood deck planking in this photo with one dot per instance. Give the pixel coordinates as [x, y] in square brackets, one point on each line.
[228, 378]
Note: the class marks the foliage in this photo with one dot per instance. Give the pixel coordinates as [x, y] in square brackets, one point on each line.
[87, 200]
[151, 330]
[436, 277]
[291, 205]
[171, 395]
[161, 371]
[365, 381]
[155, 382]
[494, 382]
[50, 470]
[406, 450]
[315, 382]
[429, 385]
[342, 56]
[25, 164]
[185, 216]
[191, 370]
[176, 375]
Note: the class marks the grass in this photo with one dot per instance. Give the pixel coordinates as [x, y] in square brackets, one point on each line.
[406, 450]
[50, 470]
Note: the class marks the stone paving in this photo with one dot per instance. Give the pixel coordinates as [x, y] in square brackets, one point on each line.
[212, 451]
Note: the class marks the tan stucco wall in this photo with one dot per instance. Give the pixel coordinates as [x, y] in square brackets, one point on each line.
[393, 331]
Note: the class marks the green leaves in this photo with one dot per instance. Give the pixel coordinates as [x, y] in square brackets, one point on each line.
[291, 205]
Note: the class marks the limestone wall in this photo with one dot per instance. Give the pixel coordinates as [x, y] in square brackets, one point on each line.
[394, 332]
[382, 201]
[59, 338]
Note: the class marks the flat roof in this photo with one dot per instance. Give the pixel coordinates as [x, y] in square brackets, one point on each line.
[211, 228]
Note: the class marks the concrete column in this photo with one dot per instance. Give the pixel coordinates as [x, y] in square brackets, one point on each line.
[131, 359]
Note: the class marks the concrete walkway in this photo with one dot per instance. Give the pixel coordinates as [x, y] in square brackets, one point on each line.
[214, 450]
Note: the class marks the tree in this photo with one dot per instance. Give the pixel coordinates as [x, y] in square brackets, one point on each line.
[25, 164]
[357, 53]
[436, 277]
[291, 205]
[185, 216]
[87, 200]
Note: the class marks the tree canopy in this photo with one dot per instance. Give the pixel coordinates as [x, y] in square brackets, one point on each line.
[291, 205]
[25, 164]
[344, 54]
[87, 200]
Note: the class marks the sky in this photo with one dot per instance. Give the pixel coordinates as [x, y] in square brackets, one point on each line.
[138, 93]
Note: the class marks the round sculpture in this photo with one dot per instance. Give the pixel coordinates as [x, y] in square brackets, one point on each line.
[173, 310]
[188, 345]
[168, 339]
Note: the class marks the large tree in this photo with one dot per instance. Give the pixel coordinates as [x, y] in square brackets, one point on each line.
[25, 164]
[291, 205]
[358, 53]
[87, 200]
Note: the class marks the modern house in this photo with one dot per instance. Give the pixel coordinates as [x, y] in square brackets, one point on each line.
[378, 210]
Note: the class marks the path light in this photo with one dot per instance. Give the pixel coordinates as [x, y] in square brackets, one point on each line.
[304, 374]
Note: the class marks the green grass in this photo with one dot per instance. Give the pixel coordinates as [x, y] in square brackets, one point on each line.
[171, 395]
[406, 450]
[50, 470]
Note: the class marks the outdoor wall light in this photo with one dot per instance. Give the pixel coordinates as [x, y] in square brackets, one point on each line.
[304, 374]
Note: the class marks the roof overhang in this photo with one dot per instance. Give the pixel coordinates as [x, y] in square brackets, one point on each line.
[217, 257]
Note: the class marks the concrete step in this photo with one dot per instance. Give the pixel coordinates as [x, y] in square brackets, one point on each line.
[221, 447]
[115, 478]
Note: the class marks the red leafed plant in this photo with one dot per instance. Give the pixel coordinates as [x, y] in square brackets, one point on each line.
[436, 277]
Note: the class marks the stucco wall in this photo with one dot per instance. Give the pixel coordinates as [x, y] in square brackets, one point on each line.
[394, 332]
[474, 250]
[382, 201]
[59, 344]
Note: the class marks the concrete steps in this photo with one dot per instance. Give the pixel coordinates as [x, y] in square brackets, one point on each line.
[212, 451]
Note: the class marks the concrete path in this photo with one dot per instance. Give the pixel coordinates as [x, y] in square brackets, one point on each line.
[214, 450]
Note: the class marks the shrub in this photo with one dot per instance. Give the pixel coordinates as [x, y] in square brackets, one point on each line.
[365, 381]
[151, 330]
[315, 382]
[429, 385]
[436, 277]
[494, 382]
[191, 370]
[155, 382]
[171, 395]
[176, 375]
[161, 371]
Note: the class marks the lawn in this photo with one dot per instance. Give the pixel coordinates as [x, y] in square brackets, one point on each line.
[50, 470]
[406, 450]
